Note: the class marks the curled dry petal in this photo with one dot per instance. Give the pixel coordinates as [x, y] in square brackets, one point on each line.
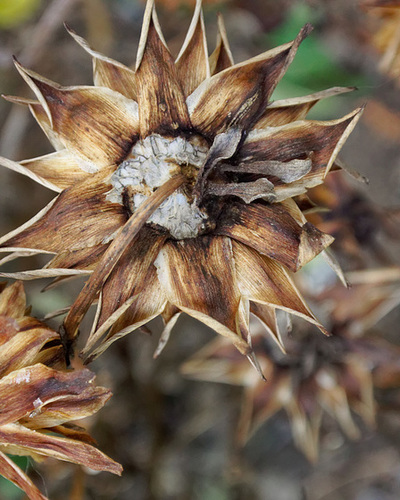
[26, 442]
[28, 389]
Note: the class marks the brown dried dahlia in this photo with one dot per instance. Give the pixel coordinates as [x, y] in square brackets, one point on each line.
[316, 376]
[175, 181]
[39, 399]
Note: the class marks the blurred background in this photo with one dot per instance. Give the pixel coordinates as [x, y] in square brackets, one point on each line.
[175, 436]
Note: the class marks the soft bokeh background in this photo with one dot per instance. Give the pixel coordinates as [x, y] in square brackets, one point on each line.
[174, 436]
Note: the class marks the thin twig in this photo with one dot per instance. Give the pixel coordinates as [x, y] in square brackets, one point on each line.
[110, 258]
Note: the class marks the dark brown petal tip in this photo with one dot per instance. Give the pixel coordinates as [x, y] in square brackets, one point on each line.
[162, 106]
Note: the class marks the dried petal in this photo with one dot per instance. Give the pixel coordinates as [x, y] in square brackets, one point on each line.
[161, 100]
[192, 61]
[270, 230]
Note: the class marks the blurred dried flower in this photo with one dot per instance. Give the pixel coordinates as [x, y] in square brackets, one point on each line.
[175, 181]
[38, 400]
[335, 375]
[386, 38]
[360, 227]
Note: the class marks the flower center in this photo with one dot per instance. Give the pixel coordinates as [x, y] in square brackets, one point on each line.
[152, 162]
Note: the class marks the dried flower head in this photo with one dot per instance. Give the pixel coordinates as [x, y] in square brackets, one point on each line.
[335, 376]
[175, 181]
[360, 227]
[38, 400]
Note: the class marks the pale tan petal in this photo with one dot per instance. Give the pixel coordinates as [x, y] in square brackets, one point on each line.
[162, 106]
[221, 58]
[13, 301]
[60, 169]
[43, 273]
[284, 111]
[334, 399]
[267, 315]
[262, 280]
[27, 442]
[192, 61]
[108, 72]
[10, 470]
[97, 125]
[18, 167]
[198, 277]
[239, 94]
[170, 316]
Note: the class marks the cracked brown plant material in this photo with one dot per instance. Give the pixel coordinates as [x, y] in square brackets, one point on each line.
[40, 399]
[336, 376]
[226, 240]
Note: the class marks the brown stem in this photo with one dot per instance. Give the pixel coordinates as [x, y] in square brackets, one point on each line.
[126, 234]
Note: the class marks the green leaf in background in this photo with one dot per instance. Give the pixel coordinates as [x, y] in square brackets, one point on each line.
[314, 67]
[15, 12]
[8, 491]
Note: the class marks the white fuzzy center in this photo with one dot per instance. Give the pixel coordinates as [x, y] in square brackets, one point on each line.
[151, 163]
